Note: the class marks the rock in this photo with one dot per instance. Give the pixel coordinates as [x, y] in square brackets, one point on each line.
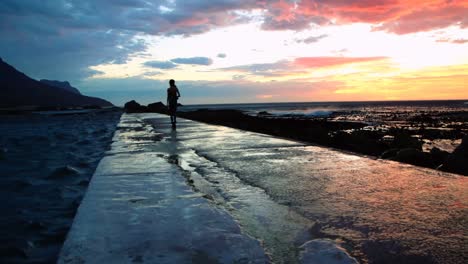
[388, 138]
[157, 107]
[462, 149]
[264, 113]
[319, 251]
[388, 154]
[457, 162]
[415, 157]
[439, 156]
[362, 141]
[404, 140]
[134, 107]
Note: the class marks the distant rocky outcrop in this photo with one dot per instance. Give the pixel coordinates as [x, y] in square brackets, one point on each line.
[134, 107]
[157, 107]
[19, 90]
[64, 85]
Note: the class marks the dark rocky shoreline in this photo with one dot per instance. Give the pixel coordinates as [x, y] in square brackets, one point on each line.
[395, 143]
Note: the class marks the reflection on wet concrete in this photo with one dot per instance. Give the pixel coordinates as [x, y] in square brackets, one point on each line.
[139, 209]
[286, 193]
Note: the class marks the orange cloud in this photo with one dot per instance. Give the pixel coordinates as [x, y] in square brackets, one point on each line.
[456, 41]
[314, 62]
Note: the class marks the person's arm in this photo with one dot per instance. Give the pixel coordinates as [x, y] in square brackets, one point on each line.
[178, 93]
[167, 100]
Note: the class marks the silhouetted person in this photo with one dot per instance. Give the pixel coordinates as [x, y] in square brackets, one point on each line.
[172, 96]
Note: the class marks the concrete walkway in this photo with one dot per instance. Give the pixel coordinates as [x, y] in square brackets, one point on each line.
[212, 194]
[140, 208]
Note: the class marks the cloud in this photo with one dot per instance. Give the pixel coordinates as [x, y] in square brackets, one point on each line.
[428, 18]
[311, 39]
[459, 41]
[61, 39]
[317, 62]
[455, 41]
[400, 17]
[260, 67]
[238, 77]
[160, 64]
[296, 66]
[193, 61]
[152, 73]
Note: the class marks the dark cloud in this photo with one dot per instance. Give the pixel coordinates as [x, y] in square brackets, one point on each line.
[275, 69]
[160, 64]
[193, 61]
[61, 39]
[260, 67]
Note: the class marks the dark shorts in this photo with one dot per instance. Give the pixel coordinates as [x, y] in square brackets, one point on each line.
[173, 106]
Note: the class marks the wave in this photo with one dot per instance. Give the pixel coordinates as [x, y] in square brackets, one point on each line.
[63, 172]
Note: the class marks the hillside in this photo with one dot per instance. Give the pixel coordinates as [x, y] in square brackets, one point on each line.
[64, 85]
[17, 89]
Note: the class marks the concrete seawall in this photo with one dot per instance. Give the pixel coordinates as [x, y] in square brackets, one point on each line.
[211, 194]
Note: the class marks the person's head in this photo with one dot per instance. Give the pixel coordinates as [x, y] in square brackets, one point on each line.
[171, 82]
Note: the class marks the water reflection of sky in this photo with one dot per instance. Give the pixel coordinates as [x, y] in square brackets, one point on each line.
[285, 193]
[401, 211]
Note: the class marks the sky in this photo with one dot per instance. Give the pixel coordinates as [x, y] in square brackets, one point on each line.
[243, 51]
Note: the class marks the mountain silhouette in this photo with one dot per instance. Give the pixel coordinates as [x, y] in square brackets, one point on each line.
[64, 85]
[17, 89]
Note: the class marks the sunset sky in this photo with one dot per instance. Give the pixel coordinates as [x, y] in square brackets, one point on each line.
[228, 51]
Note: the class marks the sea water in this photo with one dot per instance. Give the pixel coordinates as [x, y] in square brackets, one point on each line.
[324, 109]
[46, 162]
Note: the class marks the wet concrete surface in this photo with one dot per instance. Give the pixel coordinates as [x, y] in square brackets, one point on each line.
[139, 208]
[290, 196]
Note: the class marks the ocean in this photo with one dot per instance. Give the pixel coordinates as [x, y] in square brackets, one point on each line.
[46, 162]
[325, 109]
